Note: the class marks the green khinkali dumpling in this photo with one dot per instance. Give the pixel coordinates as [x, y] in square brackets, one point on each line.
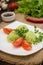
[30, 37]
[12, 36]
[22, 28]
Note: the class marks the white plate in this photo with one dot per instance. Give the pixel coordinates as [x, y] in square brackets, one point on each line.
[7, 47]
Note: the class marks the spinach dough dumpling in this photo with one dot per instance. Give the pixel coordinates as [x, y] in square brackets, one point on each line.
[22, 28]
[12, 36]
[30, 37]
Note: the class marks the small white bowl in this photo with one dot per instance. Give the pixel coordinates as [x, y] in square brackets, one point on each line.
[7, 18]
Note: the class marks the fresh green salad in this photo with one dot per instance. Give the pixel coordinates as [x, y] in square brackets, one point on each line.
[23, 31]
[32, 8]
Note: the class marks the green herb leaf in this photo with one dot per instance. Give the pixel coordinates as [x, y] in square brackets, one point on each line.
[35, 6]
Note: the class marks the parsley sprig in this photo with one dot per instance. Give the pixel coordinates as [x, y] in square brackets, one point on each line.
[40, 37]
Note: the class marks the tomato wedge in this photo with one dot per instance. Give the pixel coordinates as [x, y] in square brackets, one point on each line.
[27, 46]
[18, 42]
[7, 30]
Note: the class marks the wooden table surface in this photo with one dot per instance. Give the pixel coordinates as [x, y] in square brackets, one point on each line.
[33, 59]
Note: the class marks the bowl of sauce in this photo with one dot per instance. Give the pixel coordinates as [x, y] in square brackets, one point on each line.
[8, 16]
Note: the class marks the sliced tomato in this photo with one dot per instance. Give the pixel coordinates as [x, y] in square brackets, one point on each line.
[27, 46]
[7, 30]
[18, 42]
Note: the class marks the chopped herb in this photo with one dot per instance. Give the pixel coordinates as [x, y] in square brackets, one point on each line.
[35, 29]
[39, 38]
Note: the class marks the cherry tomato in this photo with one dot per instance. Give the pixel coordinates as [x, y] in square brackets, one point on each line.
[27, 46]
[18, 42]
[13, 6]
[7, 30]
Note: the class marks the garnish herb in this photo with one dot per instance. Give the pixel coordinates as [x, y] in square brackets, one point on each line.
[35, 29]
[40, 37]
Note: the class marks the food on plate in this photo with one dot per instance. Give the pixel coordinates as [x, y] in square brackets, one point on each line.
[18, 32]
[39, 38]
[23, 37]
[30, 37]
[7, 30]
[26, 45]
[22, 28]
[18, 42]
[12, 36]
